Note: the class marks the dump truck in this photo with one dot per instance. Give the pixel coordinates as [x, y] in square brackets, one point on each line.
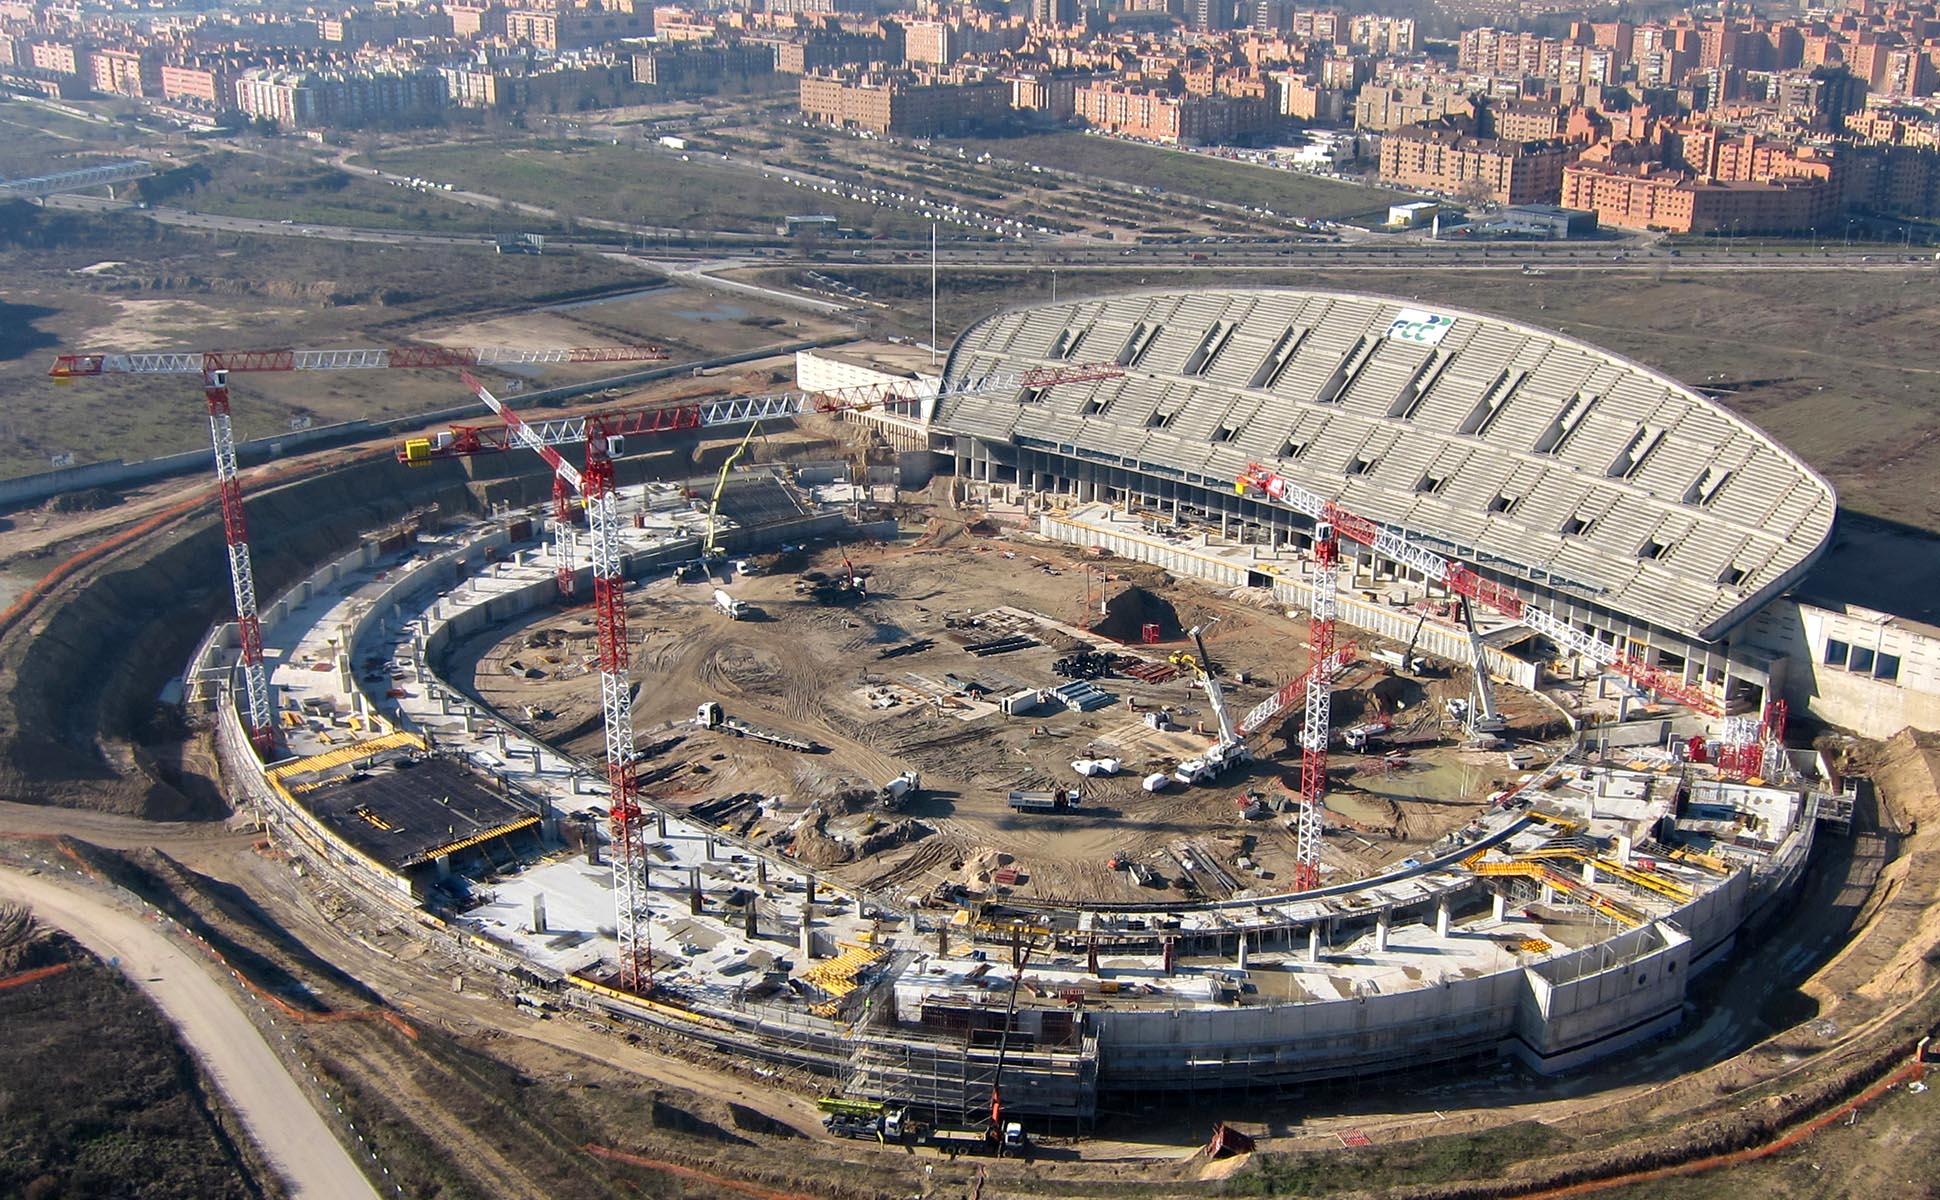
[1058, 800]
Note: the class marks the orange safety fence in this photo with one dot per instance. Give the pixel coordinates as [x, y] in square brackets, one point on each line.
[734, 1185]
[31, 976]
[1790, 1138]
[300, 1016]
[74, 562]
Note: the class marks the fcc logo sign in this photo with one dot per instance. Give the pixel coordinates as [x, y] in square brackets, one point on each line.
[1419, 328]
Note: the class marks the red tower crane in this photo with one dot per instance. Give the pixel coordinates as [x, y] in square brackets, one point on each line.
[215, 366]
[601, 432]
[595, 490]
[1317, 725]
[1396, 546]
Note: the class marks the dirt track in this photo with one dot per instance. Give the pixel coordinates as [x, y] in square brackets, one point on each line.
[231, 1049]
[818, 672]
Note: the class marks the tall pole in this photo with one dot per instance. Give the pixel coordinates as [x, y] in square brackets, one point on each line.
[932, 293]
[242, 578]
[616, 699]
[1316, 729]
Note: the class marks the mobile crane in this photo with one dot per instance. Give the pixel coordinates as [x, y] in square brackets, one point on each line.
[1477, 712]
[1230, 749]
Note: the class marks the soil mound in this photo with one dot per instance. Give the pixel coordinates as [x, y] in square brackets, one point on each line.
[85, 500]
[1909, 777]
[1130, 611]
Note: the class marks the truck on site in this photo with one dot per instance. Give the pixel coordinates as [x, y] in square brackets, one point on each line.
[1357, 737]
[845, 1117]
[1053, 801]
[1407, 664]
[900, 790]
[733, 609]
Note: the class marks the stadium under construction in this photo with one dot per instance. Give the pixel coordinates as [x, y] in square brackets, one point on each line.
[1562, 922]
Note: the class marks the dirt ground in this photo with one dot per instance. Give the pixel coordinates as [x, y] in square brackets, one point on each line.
[828, 674]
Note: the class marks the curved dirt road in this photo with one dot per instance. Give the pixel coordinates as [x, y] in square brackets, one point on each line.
[232, 1050]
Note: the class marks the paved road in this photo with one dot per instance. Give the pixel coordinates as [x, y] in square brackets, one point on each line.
[231, 1049]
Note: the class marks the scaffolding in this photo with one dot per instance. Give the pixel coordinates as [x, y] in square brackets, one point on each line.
[952, 1077]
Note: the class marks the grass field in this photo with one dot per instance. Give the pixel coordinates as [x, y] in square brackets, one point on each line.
[1287, 193]
[252, 185]
[621, 184]
[99, 1098]
[36, 141]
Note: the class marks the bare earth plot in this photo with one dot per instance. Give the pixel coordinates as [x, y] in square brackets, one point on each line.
[833, 675]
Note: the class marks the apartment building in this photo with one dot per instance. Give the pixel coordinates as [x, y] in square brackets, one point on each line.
[904, 104]
[1449, 160]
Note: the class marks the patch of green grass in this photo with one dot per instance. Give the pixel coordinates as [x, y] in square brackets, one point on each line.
[39, 141]
[1427, 1160]
[1194, 176]
[622, 184]
[305, 193]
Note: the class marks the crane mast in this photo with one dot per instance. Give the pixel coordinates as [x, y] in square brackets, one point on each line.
[596, 492]
[1317, 723]
[242, 575]
[1395, 545]
[215, 367]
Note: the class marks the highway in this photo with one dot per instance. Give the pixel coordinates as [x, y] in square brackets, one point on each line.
[252, 1079]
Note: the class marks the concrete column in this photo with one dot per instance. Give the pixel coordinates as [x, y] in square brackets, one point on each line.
[694, 890]
[660, 824]
[1313, 942]
[1500, 908]
[1623, 850]
[1240, 959]
[1444, 911]
[1549, 894]
[710, 847]
[942, 940]
[1383, 921]
[1589, 872]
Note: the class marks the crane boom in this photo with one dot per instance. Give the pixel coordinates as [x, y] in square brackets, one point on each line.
[462, 440]
[1395, 545]
[1291, 693]
[195, 362]
[708, 547]
[214, 367]
[596, 490]
[1214, 696]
